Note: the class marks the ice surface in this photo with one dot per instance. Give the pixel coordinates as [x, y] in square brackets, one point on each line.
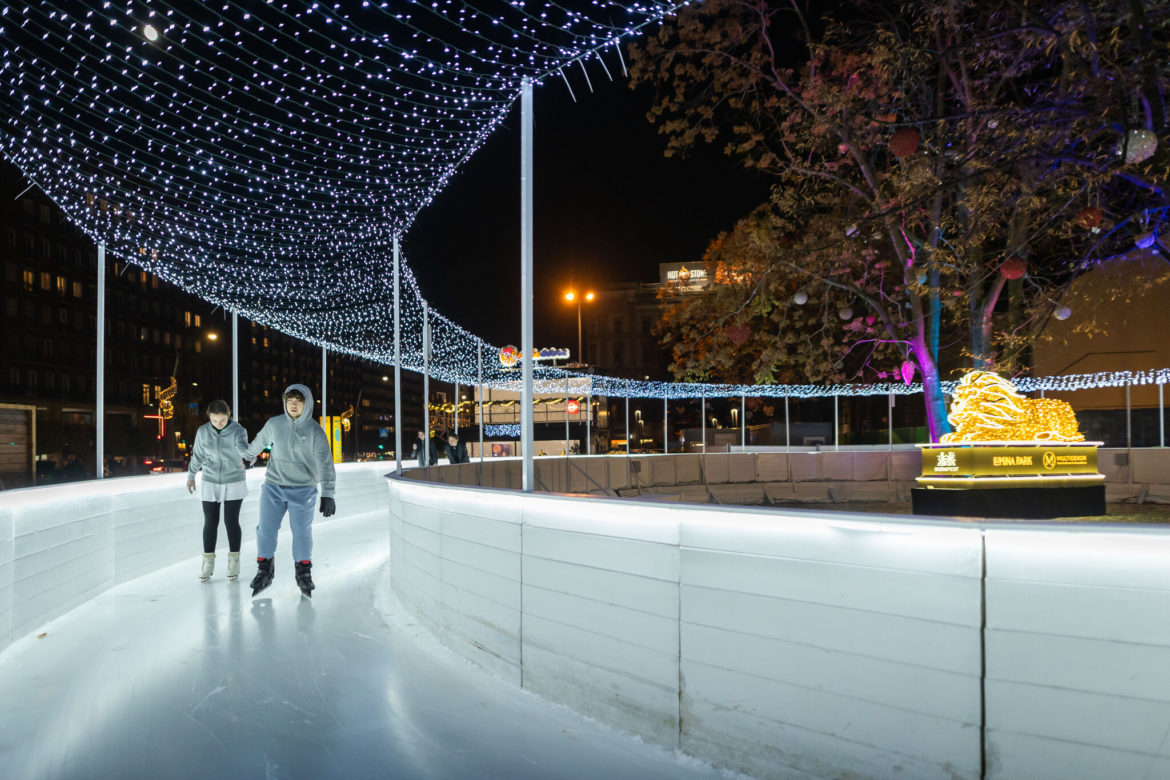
[164, 677]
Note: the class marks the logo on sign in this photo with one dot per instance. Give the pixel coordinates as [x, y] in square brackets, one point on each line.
[574, 406]
[1050, 460]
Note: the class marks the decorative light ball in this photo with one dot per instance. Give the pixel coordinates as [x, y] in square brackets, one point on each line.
[907, 371]
[843, 148]
[904, 142]
[1145, 240]
[1014, 267]
[1140, 145]
[150, 32]
[1062, 313]
[1089, 217]
[801, 298]
[956, 293]
[845, 312]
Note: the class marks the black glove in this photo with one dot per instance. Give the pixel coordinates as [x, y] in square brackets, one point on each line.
[328, 506]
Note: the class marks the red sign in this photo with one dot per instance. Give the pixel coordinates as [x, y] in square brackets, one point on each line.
[574, 406]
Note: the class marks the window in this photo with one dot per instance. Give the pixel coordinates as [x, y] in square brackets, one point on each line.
[30, 244]
[62, 316]
[45, 215]
[26, 205]
[266, 342]
[30, 281]
[46, 248]
[619, 355]
[198, 323]
[14, 376]
[12, 307]
[143, 333]
[157, 337]
[187, 321]
[154, 282]
[77, 289]
[167, 338]
[46, 281]
[178, 341]
[66, 385]
[47, 349]
[62, 286]
[32, 380]
[146, 395]
[9, 238]
[50, 380]
[198, 346]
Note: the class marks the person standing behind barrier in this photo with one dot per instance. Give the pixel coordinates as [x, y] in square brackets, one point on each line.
[425, 450]
[218, 451]
[456, 450]
[301, 457]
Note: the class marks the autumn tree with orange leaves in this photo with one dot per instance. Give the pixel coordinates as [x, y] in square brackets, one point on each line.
[942, 170]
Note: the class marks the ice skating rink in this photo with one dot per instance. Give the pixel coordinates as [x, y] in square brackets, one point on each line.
[164, 677]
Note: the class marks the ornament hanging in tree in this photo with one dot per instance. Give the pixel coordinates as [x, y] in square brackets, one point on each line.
[904, 142]
[907, 371]
[801, 298]
[1140, 145]
[1014, 267]
[1062, 313]
[738, 334]
[845, 312]
[1089, 217]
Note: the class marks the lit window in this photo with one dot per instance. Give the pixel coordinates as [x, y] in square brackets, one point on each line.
[187, 318]
[198, 346]
[30, 281]
[198, 323]
[46, 281]
[62, 286]
[77, 289]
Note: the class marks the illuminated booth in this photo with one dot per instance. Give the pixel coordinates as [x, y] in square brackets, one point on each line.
[1009, 456]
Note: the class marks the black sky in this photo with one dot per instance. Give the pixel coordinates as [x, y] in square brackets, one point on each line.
[608, 208]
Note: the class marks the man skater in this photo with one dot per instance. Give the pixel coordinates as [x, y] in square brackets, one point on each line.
[300, 458]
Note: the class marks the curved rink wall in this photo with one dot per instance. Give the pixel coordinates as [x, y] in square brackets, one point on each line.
[807, 644]
[784, 643]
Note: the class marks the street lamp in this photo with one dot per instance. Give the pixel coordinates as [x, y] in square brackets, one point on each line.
[572, 296]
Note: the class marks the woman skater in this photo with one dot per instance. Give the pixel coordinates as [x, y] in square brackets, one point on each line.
[218, 451]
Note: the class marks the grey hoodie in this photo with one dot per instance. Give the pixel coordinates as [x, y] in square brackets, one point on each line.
[301, 455]
[219, 453]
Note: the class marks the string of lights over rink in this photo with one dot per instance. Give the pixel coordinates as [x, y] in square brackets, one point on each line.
[264, 155]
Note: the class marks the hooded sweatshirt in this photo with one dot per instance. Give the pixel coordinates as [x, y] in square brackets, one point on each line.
[301, 455]
[218, 453]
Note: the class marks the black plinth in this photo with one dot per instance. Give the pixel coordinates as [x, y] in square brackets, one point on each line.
[1030, 503]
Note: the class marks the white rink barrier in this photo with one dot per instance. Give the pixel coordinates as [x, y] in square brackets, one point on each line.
[62, 545]
[808, 644]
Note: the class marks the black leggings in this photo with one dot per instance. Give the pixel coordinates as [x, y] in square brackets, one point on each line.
[231, 521]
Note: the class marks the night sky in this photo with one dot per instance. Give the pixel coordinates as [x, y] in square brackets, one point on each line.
[608, 208]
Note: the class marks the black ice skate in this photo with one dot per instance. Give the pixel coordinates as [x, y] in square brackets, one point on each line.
[304, 579]
[263, 576]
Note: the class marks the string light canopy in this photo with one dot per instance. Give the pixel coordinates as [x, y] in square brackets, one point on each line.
[264, 155]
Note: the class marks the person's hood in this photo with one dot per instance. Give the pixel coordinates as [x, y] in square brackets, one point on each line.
[309, 408]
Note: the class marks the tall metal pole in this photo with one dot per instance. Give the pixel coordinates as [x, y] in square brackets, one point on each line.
[703, 415]
[457, 407]
[627, 422]
[890, 419]
[787, 433]
[426, 340]
[589, 417]
[836, 425]
[743, 422]
[580, 357]
[324, 389]
[1161, 418]
[236, 365]
[99, 411]
[528, 480]
[1128, 423]
[566, 414]
[479, 377]
[397, 368]
[665, 426]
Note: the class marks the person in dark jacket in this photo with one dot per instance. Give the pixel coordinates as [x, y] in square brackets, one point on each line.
[218, 452]
[424, 450]
[456, 450]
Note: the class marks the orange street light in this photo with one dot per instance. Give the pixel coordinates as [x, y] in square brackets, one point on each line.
[571, 296]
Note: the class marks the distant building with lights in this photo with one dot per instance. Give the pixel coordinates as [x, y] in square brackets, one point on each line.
[154, 331]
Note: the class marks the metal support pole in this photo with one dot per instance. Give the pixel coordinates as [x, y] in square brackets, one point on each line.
[890, 419]
[479, 377]
[397, 367]
[566, 414]
[665, 426]
[836, 425]
[703, 416]
[456, 408]
[426, 340]
[324, 389]
[1161, 418]
[627, 423]
[1128, 422]
[99, 412]
[528, 469]
[743, 422]
[787, 437]
[236, 365]
[589, 418]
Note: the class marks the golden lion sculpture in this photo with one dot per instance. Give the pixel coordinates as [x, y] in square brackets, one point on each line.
[987, 407]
